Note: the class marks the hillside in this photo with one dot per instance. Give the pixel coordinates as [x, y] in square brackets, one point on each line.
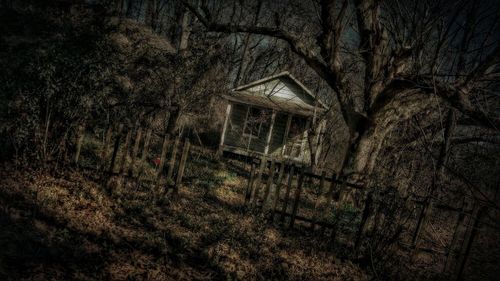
[70, 227]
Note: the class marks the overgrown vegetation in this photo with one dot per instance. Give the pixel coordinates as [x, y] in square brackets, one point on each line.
[68, 226]
[94, 96]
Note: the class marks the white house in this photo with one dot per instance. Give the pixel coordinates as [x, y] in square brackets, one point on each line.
[271, 117]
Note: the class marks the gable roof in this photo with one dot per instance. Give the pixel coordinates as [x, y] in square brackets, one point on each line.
[247, 94]
[279, 75]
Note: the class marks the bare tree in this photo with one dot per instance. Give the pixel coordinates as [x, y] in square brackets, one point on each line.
[398, 44]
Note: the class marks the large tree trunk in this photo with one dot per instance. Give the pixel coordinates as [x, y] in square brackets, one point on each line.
[368, 139]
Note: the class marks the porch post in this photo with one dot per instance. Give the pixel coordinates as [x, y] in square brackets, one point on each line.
[285, 136]
[304, 140]
[319, 140]
[223, 136]
[269, 135]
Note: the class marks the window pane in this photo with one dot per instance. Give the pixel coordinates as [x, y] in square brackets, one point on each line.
[255, 121]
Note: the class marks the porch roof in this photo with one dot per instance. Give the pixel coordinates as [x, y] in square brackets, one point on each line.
[275, 103]
[280, 92]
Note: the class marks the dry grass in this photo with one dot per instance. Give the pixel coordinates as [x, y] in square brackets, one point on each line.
[68, 226]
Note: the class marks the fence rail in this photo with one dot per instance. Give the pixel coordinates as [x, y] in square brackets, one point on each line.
[128, 152]
[288, 183]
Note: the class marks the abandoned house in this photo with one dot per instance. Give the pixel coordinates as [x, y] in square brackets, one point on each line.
[272, 117]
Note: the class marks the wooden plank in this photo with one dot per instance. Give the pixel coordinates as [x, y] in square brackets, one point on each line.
[422, 220]
[329, 199]
[456, 229]
[318, 200]
[471, 233]
[248, 192]
[257, 155]
[126, 148]
[163, 155]
[224, 129]
[277, 189]
[444, 207]
[302, 218]
[285, 136]
[298, 192]
[319, 140]
[409, 247]
[105, 148]
[173, 156]
[270, 133]
[364, 219]
[256, 188]
[269, 183]
[182, 166]
[79, 142]
[287, 192]
[245, 125]
[145, 151]
[135, 150]
[304, 140]
[115, 148]
[145, 148]
[335, 180]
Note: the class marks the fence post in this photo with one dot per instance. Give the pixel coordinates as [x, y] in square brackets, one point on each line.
[287, 192]
[248, 192]
[145, 151]
[135, 150]
[163, 155]
[471, 233]
[269, 183]
[256, 188]
[298, 191]
[115, 148]
[318, 200]
[458, 223]
[126, 149]
[278, 188]
[105, 148]
[328, 203]
[173, 156]
[364, 218]
[182, 165]
[145, 148]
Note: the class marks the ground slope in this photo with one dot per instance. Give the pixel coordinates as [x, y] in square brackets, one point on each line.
[68, 226]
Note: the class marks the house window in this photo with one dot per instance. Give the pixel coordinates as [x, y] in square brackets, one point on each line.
[254, 122]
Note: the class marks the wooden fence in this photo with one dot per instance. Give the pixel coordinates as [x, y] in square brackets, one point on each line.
[280, 191]
[136, 153]
[284, 201]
